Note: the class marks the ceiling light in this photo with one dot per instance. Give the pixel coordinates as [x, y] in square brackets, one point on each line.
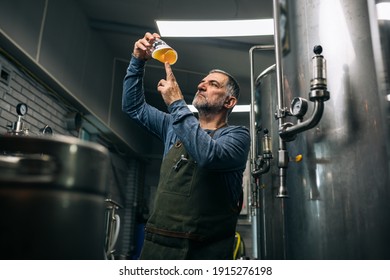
[383, 11]
[215, 28]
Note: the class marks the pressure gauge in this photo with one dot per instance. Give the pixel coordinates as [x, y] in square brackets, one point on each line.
[299, 107]
[21, 109]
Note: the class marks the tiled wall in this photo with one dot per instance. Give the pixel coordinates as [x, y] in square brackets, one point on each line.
[44, 106]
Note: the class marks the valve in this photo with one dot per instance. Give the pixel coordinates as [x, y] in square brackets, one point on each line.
[288, 131]
[318, 83]
[263, 162]
[318, 95]
[267, 145]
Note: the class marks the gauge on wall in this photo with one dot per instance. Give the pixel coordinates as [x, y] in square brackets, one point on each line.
[299, 107]
[21, 109]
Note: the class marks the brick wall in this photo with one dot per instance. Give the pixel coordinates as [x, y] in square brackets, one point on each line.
[44, 106]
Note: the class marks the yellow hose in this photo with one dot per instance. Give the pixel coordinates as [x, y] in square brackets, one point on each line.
[237, 245]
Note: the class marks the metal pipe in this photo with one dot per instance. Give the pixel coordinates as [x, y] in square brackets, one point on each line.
[290, 131]
[318, 94]
[264, 167]
[278, 59]
[280, 114]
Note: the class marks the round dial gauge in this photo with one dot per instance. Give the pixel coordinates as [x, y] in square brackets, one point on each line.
[21, 109]
[299, 107]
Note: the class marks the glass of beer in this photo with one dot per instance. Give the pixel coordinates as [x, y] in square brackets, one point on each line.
[163, 53]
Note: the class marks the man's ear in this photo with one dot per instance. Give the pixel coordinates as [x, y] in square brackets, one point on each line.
[230, 102]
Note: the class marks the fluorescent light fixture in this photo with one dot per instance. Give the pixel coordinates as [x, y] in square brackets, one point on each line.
[383, 11]
[236, 109]
[215, 28]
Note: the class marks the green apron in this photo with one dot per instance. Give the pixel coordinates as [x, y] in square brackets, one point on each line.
[193, 217]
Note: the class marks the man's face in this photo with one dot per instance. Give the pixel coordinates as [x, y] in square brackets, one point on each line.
[211, 95]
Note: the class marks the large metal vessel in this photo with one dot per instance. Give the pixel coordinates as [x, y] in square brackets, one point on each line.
[332, 201]
[52, 198]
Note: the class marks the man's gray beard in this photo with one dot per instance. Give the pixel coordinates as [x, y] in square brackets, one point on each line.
[206, 108]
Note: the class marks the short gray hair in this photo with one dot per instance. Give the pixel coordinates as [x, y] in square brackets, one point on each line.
[233, 88]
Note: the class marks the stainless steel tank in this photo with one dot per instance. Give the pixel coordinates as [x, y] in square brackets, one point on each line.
[271, 218]
[338, 194]
[52, 198]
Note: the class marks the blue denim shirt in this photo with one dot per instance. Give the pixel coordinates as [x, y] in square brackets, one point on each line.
[225, 152]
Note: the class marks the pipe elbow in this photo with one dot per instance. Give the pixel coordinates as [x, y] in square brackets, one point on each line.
[289, 131]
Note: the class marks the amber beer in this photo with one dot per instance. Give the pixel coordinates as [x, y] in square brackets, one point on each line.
[163, 53]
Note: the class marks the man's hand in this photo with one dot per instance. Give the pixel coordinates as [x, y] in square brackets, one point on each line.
[142, 46]
[169, 89]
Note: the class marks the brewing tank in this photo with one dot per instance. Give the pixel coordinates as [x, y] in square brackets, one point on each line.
[52, 193]
[338, 191]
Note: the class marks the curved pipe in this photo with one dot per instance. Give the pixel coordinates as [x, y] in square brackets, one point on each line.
[263, 168]
[289, 132]
[117, 222]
